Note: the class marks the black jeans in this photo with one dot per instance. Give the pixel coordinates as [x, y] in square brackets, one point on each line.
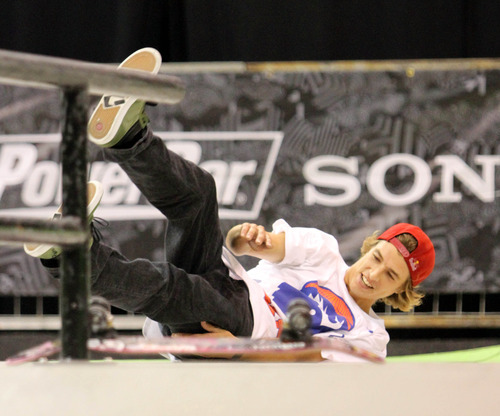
[192, 284]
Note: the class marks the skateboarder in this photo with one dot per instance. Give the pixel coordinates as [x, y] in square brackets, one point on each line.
[200, 281]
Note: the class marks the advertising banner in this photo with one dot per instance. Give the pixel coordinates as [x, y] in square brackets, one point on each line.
[347, 152]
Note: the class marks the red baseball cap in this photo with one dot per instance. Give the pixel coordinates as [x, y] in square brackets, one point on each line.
[420, 261]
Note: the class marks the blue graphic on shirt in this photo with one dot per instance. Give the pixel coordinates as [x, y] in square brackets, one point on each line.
[329, 311]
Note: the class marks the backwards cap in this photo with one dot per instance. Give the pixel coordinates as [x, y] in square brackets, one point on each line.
[420, 261]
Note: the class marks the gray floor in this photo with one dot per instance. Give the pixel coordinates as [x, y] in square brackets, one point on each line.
[160, 388]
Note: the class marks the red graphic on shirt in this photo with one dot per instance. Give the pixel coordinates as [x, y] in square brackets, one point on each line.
[340, 307]
[279, 321]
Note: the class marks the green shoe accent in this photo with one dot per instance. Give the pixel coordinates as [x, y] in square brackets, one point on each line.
[134, 114]
[115, 116]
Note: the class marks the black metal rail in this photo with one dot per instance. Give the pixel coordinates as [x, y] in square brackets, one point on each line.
[77, 80]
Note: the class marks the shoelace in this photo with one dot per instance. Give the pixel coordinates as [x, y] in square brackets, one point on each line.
[95, 227]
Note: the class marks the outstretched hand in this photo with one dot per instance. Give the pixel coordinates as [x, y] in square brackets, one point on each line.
[256, 236]
[253, 240]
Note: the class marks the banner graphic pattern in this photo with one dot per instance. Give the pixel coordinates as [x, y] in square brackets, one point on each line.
[346, 152]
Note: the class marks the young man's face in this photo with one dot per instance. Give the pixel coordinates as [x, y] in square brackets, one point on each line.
[378, 274]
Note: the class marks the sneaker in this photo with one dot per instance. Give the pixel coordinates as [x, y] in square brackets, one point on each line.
[48, 251]
[115, 116]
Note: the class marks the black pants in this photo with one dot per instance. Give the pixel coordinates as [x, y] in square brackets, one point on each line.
[192, 284]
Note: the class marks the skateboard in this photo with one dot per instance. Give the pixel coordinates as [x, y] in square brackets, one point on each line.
[194, 346]
[295, 336]
[213, 346]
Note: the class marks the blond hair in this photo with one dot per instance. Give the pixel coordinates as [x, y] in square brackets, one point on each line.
[410, 296]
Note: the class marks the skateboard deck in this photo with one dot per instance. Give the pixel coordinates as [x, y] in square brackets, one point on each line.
[191, 345]
[212, 346]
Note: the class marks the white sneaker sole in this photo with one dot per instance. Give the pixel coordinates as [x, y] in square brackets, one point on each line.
[111, 110]
[49, 251]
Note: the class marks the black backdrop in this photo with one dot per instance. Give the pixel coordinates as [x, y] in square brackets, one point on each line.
[253, 30]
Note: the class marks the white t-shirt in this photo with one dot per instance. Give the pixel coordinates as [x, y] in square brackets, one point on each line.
[313, 269]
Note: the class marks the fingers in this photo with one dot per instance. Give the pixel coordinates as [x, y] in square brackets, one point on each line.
[256, 234]
[211, 328]
[213, 331]
[216, 331]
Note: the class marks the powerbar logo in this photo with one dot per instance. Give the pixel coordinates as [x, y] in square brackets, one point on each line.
[240, 162]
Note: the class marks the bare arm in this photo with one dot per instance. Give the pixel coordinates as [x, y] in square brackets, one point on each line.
[254, 240]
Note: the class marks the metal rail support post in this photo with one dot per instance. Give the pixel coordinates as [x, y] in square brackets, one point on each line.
[77, 80]
[75, 264]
